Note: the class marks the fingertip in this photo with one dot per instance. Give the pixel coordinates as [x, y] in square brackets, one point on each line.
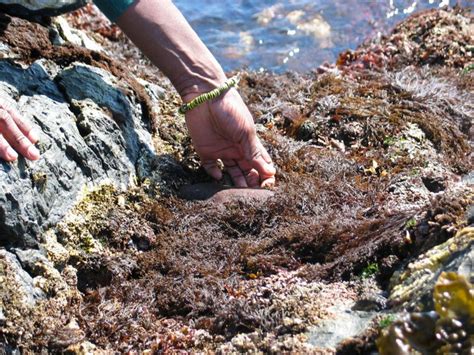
[214, 172]
[270, 169]
[11, 155]
[268, 183]
[264, 168]
[33, 153]
[253, 179]
[240, 182]
[33, 136]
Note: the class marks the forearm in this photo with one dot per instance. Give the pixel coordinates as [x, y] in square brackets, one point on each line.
[159, 29]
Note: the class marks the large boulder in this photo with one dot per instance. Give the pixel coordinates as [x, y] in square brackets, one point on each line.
[91, 132]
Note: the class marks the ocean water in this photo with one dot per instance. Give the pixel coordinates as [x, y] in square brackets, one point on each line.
[294, 35]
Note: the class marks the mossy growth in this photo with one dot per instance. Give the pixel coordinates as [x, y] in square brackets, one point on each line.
[387, 321]
[411, 223]
[80, 230]
[370, 270]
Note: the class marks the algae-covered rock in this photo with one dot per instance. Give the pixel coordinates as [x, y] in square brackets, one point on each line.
[90, 132]
[16, 284]
[412, 287]
[448, 329]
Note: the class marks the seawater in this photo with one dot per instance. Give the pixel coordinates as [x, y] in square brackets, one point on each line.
[294, 35]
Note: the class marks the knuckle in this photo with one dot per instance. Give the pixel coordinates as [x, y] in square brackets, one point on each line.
[256, 154]
[250, 131]
[20, 139]
[7, 106]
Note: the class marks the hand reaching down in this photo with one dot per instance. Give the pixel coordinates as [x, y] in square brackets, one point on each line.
[224, 129]
[16, 135]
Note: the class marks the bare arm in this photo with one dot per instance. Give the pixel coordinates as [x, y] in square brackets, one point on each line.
[162, 33]
[221, 129]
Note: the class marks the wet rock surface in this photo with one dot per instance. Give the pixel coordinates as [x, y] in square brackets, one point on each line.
[112, 242]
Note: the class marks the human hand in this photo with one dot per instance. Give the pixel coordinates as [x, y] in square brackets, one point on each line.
[224, 129]
[16, 134]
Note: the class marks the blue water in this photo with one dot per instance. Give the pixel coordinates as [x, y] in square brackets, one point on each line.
[295, 35]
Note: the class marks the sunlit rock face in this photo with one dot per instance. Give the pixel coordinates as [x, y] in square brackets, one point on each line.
[40, 7]
[91, 130]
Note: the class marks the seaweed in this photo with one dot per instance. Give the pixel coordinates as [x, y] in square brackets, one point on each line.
[368, 163]
[446, 329]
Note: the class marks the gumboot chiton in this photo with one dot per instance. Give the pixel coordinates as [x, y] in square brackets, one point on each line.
[221, 194]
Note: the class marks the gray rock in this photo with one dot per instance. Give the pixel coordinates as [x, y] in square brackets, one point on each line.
[3, 319]
[90, 132]
[345, 323]
[18, 281]
[31, 260]
[40, 7]
[374, 302]
[470, 215]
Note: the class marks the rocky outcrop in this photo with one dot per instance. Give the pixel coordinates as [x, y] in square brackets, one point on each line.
[91, 133]
[40, 7]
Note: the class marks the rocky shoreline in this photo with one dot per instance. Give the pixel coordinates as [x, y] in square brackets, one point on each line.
[109, 242]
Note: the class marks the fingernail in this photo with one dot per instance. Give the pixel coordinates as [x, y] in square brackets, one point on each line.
[11, 154]
[33, 153]
[34, 136]
[269, 183]
[271, 169]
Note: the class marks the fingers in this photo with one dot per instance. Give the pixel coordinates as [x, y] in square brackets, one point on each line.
[235, 173]
[25, 127]
[241, 172]
[15, 137]
[262, 163]
[250, 174]
[6, 152]
[255, 171]
[211, 168]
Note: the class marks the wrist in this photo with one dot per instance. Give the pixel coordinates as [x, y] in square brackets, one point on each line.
[193, 84]
[207, 96]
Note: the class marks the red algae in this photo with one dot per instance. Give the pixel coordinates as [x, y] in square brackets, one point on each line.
[368, 170]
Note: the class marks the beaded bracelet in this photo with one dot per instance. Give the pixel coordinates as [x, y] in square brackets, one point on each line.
[209, 95]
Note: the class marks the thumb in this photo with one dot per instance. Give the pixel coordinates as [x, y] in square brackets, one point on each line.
[260, 160]
[211, 168]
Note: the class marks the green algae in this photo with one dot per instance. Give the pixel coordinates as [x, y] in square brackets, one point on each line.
[370, 270]
[411, 223]
[79, 231]
[387, 321]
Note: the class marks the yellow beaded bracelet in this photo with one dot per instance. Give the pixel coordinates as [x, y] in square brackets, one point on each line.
[209, 95]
